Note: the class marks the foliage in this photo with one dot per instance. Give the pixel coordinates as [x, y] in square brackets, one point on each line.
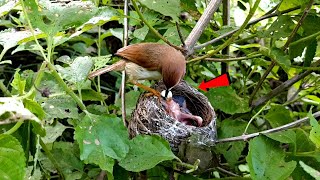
[57, 123]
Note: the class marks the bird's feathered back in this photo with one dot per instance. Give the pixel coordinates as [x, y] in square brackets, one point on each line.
[154, 56]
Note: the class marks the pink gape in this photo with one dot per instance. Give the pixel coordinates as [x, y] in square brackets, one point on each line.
[173, 109]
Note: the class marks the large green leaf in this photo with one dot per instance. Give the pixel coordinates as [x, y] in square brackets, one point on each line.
[166, 7]
[231, 128]
[102, 138]
[146, 152]
[287, 4]
[11, 37]
[281, 58]
[12, 159]
[18, 83]
[227, 100]
[59, 16]
[78, 70]
[278, 115]
[60, 107]
[266, 160]
[315, 131]
[53, 132]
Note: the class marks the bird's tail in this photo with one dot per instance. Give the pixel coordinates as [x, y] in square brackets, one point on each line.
[118, 66]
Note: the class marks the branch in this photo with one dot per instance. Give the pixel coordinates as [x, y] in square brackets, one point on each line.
[277, 129]
[201, 25]
[154, 30]
[230, 40]
[250, 23]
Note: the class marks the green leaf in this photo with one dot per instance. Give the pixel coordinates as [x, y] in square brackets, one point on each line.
[231, 128]
[102, 138]
[314, 173]
[287, 4]
[18, 83]
[104, 15]
[227, 100]
[100, 62]
[146, 152]
[61, 107]
[315, 131]
[172, 34]
[12, 159]
[53, 132]
[131, 101]
[59, 16]
[91, 95]
[34, 107]
[288, 136]
[281, 58]
[266, 160]
[168, 8]
[10, 37]
[280, 28]
[278, 116]
[13, 110]
[141, 33]
[310, 53]
[78, 70]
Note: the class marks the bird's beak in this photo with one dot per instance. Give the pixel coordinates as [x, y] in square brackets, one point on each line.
[166, 95]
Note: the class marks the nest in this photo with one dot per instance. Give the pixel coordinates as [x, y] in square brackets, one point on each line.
[150, 117]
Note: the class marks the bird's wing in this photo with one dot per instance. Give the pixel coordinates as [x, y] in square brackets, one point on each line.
[144, 54]
[118, 66]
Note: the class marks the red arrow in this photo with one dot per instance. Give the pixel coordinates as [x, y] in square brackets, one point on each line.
[222, 80]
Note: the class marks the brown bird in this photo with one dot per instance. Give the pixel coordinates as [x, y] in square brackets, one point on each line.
[149, 61]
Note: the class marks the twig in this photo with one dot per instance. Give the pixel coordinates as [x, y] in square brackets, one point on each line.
[232, 59]
[230, 40]
[250, 23]
[226, 22]
[277, 129]
[152, 29]
[285, 47]
[201, 25]
[123, 77]
[227, 172]
[180, 35]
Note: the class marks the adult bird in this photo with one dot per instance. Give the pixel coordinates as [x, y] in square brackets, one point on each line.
[149, 61]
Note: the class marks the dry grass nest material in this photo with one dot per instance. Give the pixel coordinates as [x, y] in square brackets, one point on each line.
[150, 117]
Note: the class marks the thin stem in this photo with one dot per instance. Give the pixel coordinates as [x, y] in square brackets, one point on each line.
[154, 31]
[180, 35]
[66, 87]
[295, 30]
[232, 59]
[51, 158]
[253, 117]
[123, 73]
[235, 35]
[277, 129]
[261, 80]
[3, 52]
[4, 89]
[14, 128]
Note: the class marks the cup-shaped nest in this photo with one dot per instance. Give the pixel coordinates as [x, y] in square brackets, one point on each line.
[151, 117]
